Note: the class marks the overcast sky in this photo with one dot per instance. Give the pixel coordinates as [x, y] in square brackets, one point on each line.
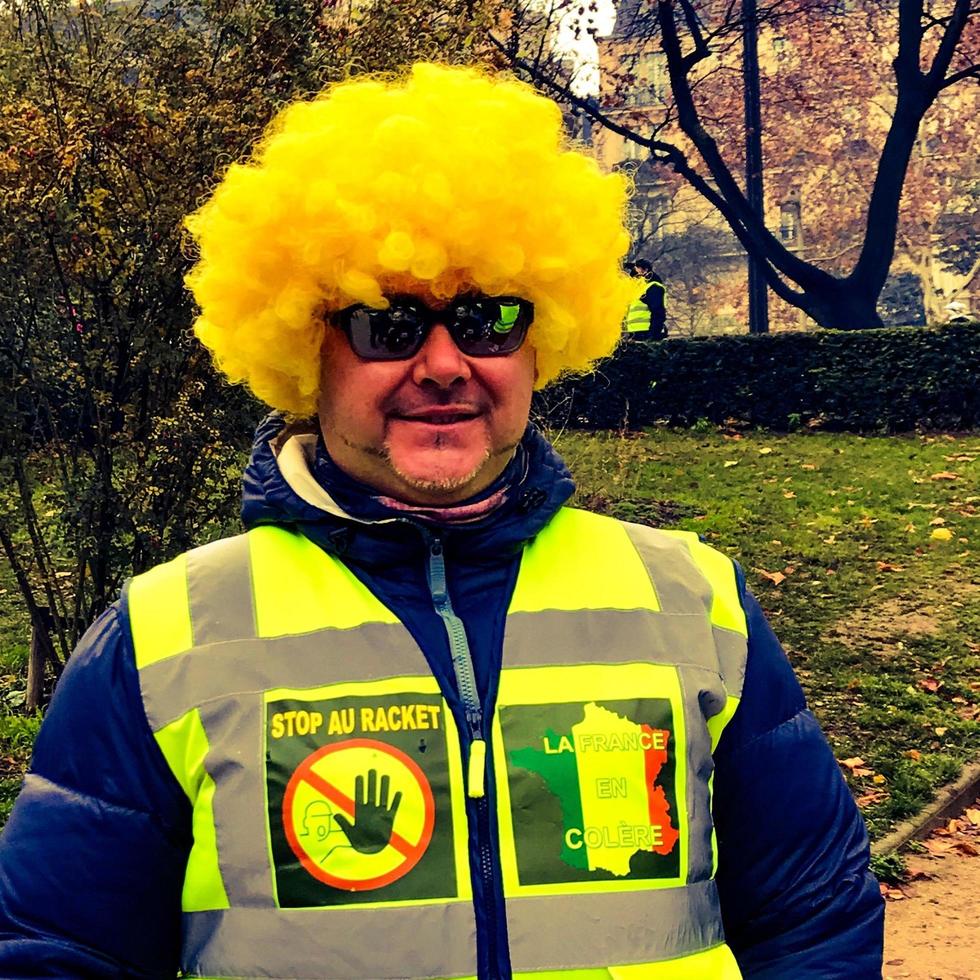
[583, 49]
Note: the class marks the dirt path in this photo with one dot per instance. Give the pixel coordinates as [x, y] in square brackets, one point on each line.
[932, 923]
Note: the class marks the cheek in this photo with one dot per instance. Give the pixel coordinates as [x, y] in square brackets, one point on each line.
[513, 385]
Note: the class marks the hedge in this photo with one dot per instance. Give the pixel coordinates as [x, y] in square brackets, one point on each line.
[884, 380]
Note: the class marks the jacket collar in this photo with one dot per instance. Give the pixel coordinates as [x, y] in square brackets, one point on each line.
[291, 481]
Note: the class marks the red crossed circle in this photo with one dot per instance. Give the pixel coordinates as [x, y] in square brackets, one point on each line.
[411, 852]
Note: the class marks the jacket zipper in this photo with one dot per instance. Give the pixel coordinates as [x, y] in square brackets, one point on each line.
[459, 650]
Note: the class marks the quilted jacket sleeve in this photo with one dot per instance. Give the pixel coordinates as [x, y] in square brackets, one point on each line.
[797, 897]
[92, 859]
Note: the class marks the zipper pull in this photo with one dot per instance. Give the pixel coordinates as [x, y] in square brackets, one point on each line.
[476, 769]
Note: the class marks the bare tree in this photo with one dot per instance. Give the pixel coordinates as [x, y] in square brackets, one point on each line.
[933, 46]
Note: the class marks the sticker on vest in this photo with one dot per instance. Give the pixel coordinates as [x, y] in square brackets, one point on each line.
[592, 790]
[359, 800]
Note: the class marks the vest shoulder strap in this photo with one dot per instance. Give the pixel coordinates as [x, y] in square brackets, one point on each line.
[582, 560]
[271, 581]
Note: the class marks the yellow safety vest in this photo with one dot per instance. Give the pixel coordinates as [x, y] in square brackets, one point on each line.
[326, 774]
[638, 316]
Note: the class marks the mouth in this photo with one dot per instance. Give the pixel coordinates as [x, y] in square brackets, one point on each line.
[443, 415]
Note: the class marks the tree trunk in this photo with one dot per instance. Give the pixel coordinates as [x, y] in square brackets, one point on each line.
[843, 308]
[41, 652]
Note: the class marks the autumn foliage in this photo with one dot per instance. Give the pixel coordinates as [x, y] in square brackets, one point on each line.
[118, 444]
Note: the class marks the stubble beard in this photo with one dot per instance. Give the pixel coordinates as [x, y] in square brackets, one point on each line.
[446, 485]
[438, 486]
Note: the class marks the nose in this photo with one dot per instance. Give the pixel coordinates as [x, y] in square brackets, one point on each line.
[439, 361]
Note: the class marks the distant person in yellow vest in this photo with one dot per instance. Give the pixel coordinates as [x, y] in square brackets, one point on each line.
[423, 719]
[647, 316]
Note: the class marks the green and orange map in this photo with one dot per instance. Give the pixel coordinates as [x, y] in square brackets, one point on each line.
[592, 790]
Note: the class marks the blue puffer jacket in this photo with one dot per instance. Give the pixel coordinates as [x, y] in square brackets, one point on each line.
[91, 862]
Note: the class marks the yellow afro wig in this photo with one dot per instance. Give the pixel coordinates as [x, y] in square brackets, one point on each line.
[443, 180]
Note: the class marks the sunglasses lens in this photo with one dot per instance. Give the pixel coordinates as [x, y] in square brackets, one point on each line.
[391, 334]
[481, 326]
[485, 326]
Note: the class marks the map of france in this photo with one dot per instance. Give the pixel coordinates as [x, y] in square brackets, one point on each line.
[604, 773]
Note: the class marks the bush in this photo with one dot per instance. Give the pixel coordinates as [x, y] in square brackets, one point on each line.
[886, 380]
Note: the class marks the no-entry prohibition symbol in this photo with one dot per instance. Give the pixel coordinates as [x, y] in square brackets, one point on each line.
[358, 814]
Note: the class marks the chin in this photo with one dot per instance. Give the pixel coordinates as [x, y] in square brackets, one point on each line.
[447, 483]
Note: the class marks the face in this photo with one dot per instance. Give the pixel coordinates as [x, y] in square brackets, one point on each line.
[435, 428]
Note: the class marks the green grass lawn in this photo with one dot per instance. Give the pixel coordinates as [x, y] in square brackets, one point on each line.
[17, 731]
[836, 535]
[878, 613]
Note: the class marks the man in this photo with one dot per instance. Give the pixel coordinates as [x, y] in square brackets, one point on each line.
[647, 315]
[423, 719]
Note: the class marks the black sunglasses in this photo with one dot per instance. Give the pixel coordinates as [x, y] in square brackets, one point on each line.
[481, 326]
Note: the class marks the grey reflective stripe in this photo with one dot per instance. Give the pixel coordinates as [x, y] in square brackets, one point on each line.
[174, 686]
[696, 690]
[608, 636]
[373, 651]
[683, 589]
[234, 727]
[219, 591]
[677, 580]
[732, 649]
[579, 931]
[340, 944]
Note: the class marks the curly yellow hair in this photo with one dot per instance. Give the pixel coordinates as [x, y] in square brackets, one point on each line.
[442, 180]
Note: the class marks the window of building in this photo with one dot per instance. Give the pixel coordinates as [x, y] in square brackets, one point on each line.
[651, 79]
[633, 151]
[789, 222]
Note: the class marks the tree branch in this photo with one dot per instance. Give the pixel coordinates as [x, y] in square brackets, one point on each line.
[972, 72]
[936, 76]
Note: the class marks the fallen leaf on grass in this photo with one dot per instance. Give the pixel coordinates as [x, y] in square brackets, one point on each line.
[887, 566]
[940, 731]
[730, 462]
[945, 475]
[775, 577]
[930, 684]
[941, 534]
[857, 766]
[870, 798]
[913, 754]
[765, 451]
[808, 466]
